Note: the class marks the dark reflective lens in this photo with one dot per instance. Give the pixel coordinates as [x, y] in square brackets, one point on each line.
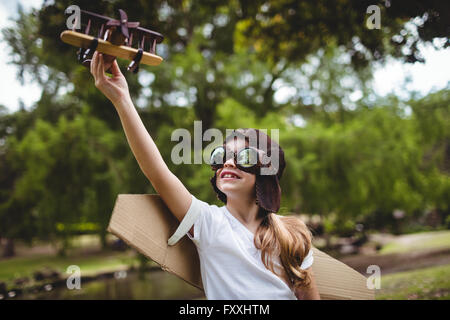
[247, 157]
[217, 156]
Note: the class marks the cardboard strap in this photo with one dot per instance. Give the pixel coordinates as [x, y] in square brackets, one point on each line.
[187, 222]
[308, 260]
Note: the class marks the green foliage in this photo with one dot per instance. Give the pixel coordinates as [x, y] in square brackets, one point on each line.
[67, 174]
[64, 160]
[292, 29]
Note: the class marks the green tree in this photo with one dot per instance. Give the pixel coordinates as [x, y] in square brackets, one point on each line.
[68, 176]
[350, 154]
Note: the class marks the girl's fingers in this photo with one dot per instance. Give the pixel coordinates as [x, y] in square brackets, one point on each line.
[101, 67]
[115, 70]
[95, 65]
[93, 61]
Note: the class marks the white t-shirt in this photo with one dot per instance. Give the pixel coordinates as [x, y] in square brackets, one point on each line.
[230, 264]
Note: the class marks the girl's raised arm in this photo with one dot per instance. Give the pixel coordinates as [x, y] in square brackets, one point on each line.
[170, 188]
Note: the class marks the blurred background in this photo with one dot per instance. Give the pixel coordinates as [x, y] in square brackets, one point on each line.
[363, 116]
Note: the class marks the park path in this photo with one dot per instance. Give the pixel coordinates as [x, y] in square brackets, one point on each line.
[397, 262]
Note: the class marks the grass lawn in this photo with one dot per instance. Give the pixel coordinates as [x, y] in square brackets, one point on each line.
[96, 261]
[422, 284]
[418, 241]
[90, 264]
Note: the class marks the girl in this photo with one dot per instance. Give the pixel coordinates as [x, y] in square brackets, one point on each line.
[246, 251]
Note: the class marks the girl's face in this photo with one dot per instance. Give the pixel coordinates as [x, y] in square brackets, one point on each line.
[232, 181]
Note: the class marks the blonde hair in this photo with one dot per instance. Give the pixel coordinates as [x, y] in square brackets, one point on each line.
[288, 238]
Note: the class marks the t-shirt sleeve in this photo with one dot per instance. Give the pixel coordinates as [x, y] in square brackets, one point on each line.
[205, 218]
[308, 260]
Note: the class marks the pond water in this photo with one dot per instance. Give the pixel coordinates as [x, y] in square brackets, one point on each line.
[155, 285]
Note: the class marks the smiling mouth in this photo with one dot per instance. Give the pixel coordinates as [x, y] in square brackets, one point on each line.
[229, 176]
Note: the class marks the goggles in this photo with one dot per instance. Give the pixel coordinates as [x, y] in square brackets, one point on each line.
[247, 159]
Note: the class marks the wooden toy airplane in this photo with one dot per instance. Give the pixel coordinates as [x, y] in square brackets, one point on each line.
[115, 38]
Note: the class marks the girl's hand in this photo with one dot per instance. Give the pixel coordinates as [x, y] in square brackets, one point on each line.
[115, 88]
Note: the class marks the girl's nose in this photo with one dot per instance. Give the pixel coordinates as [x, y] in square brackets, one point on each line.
[229, 163]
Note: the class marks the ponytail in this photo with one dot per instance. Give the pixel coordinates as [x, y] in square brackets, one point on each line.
[288, 238]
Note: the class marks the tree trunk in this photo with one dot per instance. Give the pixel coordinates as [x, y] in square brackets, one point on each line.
[64, 246]
[9, 251]
[103, 240]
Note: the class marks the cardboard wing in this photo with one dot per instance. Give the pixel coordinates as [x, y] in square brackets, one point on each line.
[145, 223]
